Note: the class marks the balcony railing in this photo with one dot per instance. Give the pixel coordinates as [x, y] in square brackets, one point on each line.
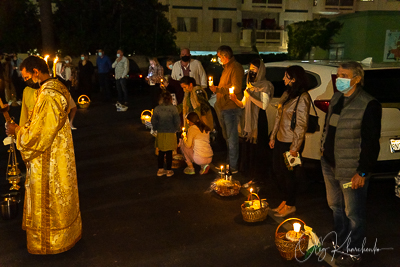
[263, 38]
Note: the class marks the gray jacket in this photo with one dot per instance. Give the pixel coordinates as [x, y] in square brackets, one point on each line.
[282, 130]
[166, 119]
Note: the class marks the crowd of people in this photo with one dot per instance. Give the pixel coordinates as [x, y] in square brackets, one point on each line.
[349, 145]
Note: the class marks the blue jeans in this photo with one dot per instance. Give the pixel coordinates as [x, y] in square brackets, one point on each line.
[230, 120]
[122, 90]
[349, 208]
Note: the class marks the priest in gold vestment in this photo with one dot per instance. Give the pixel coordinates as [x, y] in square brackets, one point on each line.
[52, 217]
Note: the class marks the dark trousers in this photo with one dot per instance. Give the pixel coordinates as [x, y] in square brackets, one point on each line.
[104, 83]
[285, 179]
[161, 159]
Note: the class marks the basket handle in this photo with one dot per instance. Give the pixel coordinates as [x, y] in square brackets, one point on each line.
[248, 197]
[146, 110]
[290, 219]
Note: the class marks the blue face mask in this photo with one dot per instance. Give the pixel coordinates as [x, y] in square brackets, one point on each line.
[170, 67]
[100, 54]
[82, 58]
[343, 85]
[118, 55]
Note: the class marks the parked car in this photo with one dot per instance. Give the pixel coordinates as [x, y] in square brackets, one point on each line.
[380, 81]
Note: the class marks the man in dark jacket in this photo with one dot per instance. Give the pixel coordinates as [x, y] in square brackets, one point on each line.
[350, 148]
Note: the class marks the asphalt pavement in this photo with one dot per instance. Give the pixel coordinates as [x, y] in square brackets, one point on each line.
[131, 217]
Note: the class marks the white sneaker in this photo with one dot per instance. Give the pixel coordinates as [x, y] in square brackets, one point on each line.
[118, 105]
[122, 108]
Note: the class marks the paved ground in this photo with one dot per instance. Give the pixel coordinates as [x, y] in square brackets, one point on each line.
[131, 217]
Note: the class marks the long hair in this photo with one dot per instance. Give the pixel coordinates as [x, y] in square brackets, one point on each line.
[194, 118]
[165, 98]
[300, 84]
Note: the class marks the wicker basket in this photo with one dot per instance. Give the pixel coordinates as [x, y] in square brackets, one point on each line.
[83, 102]
[290, 249]
[230, 189]
[252, 215]
[178, 161]
[146, 117]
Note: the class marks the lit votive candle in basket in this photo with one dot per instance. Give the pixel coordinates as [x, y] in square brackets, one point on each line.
[210, 81]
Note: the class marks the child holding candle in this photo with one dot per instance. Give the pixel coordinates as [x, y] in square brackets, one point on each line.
[166, 122]
[195, 145]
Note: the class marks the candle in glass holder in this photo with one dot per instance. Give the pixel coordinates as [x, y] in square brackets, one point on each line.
[210, 81]
[232, 90]
[296, 227]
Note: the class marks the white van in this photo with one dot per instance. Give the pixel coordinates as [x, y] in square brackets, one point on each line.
[382, 82]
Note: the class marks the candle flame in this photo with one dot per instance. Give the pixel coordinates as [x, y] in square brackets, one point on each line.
[55, 60]
[251, 190]
[210, 78]
[296, 227]
[46, 57]
[183, 129]
[231, 90]
[222, 166]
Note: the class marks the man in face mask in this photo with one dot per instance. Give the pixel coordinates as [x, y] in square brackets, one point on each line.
[350, 148]
[46, 146]
[189, 67]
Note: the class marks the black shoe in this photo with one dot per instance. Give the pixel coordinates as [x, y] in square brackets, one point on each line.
[347, 260]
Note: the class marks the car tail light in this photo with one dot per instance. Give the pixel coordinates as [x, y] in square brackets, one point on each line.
[334, 76]
[322, 105]
[140, 76]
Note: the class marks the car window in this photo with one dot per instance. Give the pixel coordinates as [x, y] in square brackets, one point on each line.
[383, 84]
[275, 76]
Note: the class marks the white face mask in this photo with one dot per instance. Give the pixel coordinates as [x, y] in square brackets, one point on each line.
[170, 67]
[82, 58]
[66, 61]
[118, 55]
[100, 54]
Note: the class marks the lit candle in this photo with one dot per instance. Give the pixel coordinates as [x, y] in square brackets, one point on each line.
[222, 166]
[161, 80]
[232, 90]
[46, 57]
[54, 66]
[251, 194]
[183, 129]
[296, 227]
[210, 81]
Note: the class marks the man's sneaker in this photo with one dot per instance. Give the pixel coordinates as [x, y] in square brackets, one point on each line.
[161, 172]
[347, 260]
[189, 171]
[170, 173]
[122, 108]
[204, 169]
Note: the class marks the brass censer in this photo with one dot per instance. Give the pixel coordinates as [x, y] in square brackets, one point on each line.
[13, 174]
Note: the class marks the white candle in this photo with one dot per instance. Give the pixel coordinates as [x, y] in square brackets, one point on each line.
[296, 227]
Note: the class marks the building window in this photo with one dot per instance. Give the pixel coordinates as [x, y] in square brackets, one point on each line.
[339, 2]
[187, 25]
[222, 25]
[336, 51]
[259, 1]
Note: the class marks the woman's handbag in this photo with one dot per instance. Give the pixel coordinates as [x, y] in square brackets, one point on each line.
[313, 125]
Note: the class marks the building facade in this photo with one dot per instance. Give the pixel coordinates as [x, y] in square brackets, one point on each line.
[203, 25]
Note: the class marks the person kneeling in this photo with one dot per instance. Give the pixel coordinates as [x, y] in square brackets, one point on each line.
[195, 146]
